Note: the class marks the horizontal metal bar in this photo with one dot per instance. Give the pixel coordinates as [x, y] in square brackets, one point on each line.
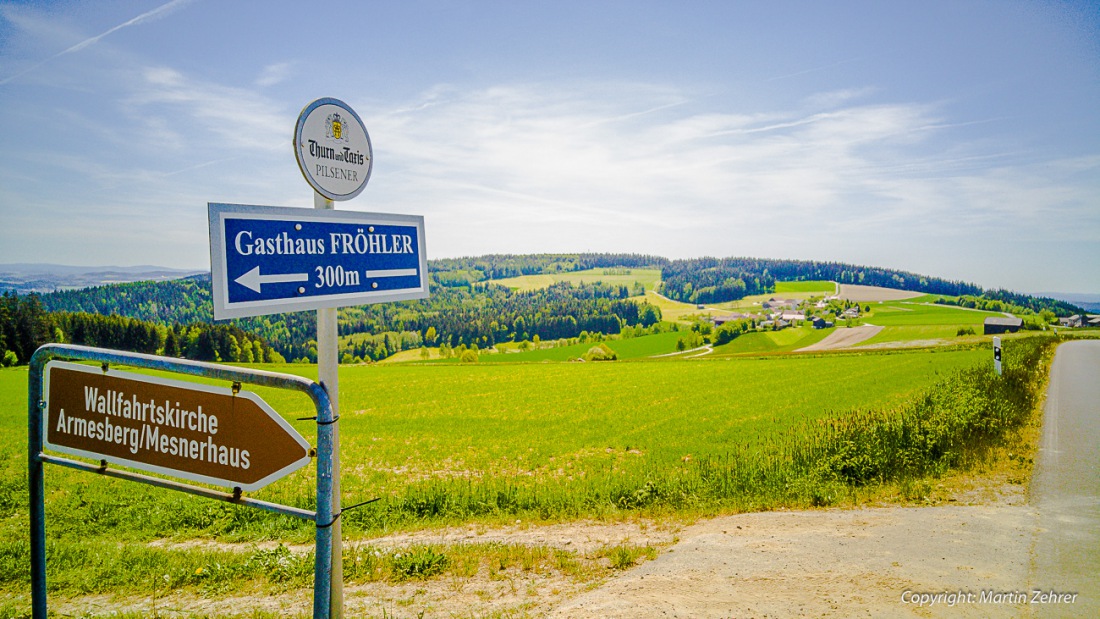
[174, 485]
[183, 366]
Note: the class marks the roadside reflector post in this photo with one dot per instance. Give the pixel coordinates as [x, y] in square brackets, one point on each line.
[997, 355]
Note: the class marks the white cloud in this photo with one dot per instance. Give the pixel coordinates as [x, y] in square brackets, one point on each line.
[273, 74]
[237, 117]
[628, 167]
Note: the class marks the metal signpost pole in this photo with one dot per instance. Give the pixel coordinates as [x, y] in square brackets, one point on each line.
[328, 366]
[37, 494]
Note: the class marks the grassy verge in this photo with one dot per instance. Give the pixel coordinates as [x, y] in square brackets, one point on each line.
[118, 574]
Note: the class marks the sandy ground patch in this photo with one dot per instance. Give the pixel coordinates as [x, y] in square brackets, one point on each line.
[843, 338]
[833, 563]
[854, 292]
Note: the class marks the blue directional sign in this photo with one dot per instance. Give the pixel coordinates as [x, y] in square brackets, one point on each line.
[269, 259]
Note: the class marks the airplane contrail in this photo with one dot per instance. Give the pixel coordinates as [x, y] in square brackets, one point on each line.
[153, 14]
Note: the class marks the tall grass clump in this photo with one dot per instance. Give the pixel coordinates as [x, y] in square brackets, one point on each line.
[951, 425]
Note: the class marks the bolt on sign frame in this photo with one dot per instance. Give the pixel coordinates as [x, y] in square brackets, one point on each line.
[323, 517]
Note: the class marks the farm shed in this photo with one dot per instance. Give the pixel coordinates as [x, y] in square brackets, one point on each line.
[721, 320]
[1003, 325]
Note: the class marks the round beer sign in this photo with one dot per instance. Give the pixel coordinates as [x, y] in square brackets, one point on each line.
[333, 149]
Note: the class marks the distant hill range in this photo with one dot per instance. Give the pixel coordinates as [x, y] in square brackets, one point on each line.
[25, 278]
[467, 307]
[1090, 302]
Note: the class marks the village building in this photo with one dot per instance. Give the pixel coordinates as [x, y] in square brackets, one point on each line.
[721, 320]
[1073, 321]
[782, 304]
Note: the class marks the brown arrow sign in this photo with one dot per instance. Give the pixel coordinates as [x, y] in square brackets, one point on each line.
[197, 432]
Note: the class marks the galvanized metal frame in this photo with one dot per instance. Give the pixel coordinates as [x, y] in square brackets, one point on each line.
[323, 518]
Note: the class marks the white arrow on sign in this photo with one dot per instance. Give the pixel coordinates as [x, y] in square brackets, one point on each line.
[253, 280]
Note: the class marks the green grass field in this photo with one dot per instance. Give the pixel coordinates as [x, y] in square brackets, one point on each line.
[567, 427]
[632, 348]
[490, 443]
[683, 313]
[820, 287]
[902, 313]
[907, 322]
[626, 277]
[787, 340]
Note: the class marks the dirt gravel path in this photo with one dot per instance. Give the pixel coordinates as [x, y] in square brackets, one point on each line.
[834, 563]
[843, 338]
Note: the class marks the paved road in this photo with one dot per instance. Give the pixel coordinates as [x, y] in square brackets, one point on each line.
[1066, 486]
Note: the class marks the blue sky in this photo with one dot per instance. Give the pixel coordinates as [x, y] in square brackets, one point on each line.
[955, 139]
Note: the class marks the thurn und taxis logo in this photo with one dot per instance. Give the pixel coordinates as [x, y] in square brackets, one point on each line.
[335, 129]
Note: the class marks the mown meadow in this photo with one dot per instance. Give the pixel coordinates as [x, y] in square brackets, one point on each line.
[625, 276]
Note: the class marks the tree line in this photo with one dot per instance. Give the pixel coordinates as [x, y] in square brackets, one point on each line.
[25, 325]
[1015, 303]
[715, 280]
[465, 271]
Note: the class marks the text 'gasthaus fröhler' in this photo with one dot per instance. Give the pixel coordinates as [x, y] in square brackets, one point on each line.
[338, 243]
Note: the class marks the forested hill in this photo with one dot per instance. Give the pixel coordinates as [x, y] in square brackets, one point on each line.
[480, 314]
[714, 280]
[697, 280]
